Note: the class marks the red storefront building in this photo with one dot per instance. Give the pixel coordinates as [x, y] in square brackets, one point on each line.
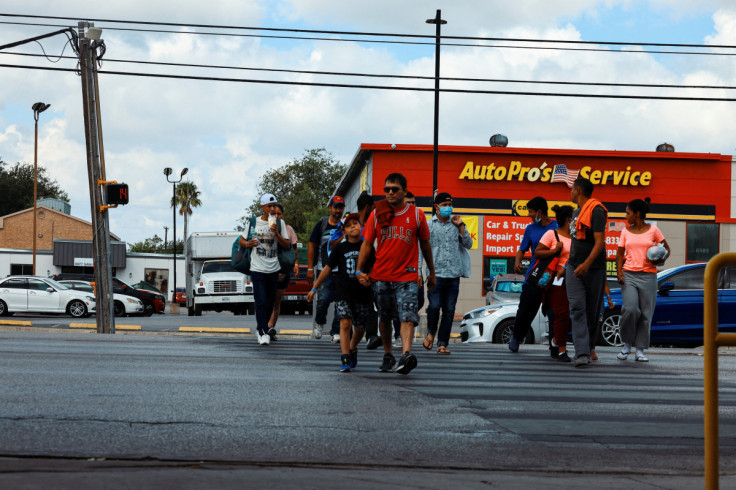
[693, 195]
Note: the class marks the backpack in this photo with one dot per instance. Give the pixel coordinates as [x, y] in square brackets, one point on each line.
[287, 256]
[240, 257]
[544, 270]
[322, 253]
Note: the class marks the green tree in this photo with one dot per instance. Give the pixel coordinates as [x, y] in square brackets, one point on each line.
[16, 187]
[303, 187]
[156, 245]
[187, 198]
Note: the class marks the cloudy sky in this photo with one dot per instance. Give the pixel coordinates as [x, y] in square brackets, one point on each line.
[229, 134]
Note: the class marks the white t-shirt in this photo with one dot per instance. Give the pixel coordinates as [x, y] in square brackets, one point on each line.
[265, 258]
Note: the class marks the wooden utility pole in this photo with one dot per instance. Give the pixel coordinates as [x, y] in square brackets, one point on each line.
[96, 173]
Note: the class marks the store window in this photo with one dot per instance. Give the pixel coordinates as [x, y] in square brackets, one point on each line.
[702, 241]
[21, 269]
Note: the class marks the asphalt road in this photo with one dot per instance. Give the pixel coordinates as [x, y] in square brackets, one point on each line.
[86, 410]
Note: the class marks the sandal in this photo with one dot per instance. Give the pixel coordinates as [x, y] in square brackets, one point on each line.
[428, 342]
[443, 350]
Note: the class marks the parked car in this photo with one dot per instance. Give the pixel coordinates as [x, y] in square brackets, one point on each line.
[146, 286]
[42, 295]
[123, 304]
[495, 323]
[678, 314]
[505, 288]
[179, 296]
[295, 296]
[152, 302]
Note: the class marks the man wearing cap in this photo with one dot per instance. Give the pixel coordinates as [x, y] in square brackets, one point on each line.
[316, 260]
[447, 234]
[266, 237]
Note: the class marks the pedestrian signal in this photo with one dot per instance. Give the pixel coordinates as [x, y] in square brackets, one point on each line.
[117, 193]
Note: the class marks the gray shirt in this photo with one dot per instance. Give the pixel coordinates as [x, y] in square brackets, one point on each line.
[446, 241]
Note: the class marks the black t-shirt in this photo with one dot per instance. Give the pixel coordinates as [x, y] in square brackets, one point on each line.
[580, 249]
[320, 238]
[347, 288]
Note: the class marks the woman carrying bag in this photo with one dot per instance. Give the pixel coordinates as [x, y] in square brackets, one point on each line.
[557, 242]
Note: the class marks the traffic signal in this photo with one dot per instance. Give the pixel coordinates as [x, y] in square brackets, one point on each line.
[116, 193]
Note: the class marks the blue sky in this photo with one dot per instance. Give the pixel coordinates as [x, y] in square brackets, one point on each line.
[230, 134]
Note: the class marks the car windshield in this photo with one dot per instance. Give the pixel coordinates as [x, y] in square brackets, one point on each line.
[217, 266]
[509, 287]
[56, 284]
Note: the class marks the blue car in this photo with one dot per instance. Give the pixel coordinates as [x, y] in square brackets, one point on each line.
[678, 315]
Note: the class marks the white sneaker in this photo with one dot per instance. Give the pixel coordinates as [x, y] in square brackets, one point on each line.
[398, 342]
[318, 331]
[263, 339]
[335, 338]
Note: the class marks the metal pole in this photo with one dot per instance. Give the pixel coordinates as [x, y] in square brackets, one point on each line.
[437, 21]
[35, 190]
[100, 235]
[174, 202]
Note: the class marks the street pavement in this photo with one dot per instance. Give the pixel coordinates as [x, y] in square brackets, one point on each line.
[85, 410]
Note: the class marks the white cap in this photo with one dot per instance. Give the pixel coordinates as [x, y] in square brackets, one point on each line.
[268, 199]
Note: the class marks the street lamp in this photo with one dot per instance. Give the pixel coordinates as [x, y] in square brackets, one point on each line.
[167, 173]
[38, 108]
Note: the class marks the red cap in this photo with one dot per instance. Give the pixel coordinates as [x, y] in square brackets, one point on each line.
[337, 200]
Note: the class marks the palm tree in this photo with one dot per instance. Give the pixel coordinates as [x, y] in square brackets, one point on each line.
[187, 197]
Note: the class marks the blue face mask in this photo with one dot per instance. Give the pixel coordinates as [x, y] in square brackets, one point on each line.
[537, 219]
[446, 211]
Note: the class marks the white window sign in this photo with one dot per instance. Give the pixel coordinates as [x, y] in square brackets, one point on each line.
[83, 262]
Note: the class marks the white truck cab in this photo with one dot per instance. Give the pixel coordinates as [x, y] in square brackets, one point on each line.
[212, 283]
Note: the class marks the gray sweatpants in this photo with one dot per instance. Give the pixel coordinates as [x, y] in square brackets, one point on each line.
[639, 294]
[586, 296]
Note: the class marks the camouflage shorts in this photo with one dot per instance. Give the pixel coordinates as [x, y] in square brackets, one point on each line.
[397, 300]
[359, 313]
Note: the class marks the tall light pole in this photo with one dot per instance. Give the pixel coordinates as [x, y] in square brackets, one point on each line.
[437, 21]
[38, 108]
[167, 173]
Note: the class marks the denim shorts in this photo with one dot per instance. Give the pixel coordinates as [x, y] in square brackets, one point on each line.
[397, 300]
[359, 313]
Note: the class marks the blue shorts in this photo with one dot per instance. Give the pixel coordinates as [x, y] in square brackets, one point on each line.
[397, 300]
[359, 313]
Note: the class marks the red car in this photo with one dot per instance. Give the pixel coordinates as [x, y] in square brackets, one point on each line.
[180, 296]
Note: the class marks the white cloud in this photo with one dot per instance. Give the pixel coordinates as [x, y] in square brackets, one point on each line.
[230, 134]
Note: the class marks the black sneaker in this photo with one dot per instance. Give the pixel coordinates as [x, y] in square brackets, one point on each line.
[388, 363]
[374, 343]
[407, 362]
[353, 358]
[272, 334]
[563, 357]
[554, 351]
[344, 363]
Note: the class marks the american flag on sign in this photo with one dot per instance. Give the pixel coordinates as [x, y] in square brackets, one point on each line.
[562, 174]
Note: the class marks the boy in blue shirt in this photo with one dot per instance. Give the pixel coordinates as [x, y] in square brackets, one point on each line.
[531, 296]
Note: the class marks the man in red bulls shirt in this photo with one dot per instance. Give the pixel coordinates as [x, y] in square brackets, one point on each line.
[396, 227]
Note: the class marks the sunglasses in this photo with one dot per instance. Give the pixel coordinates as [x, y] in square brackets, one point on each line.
[391, 189]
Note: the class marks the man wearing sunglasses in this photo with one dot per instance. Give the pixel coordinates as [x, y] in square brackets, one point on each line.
[396, 227]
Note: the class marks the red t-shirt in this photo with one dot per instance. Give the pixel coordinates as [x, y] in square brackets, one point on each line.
[397, 251]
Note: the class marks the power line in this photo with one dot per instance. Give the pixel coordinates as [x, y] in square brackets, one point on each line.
[379, 41]
[406, 77]
[376, 34]
[380, 87]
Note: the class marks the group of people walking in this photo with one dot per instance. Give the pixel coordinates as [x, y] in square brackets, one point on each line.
[369, 263]
[573, 299]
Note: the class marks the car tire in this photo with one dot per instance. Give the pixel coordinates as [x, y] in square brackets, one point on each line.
[148, 308]
[611, 328]
[505, 330]
[77, 309]
[3, 308]
[118, 309]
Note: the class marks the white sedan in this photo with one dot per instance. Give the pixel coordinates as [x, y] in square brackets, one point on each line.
[123, 304]
[41, 295]
[495, 323]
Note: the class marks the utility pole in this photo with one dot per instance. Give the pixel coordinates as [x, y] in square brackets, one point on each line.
[437, 21]
[96, 173]
[166, 236]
